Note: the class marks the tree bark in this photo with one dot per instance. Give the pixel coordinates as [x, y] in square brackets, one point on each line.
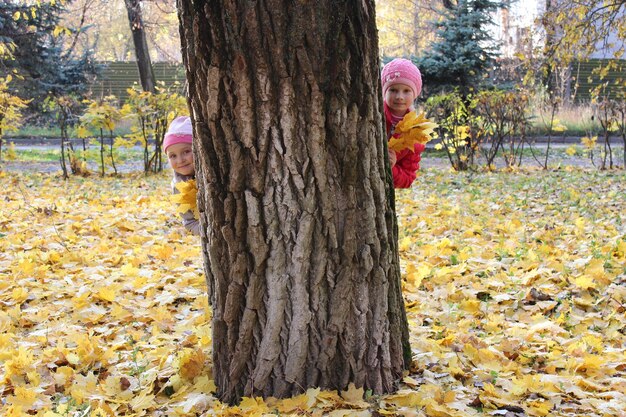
[142, 53]
[295, 194]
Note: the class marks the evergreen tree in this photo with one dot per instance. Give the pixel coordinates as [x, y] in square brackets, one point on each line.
[465, 51]
[42, 52]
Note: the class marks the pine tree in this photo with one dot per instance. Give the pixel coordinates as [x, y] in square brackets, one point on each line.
[42, 50]
[465, 51]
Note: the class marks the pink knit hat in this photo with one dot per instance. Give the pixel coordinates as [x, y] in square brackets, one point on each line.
[179, 131]
[401, 71]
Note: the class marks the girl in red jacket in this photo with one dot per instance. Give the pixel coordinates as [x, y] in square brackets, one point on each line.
[177, 145]
[402, 84]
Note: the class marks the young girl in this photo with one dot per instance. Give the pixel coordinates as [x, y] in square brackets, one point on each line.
[177, 147]
[402, 84]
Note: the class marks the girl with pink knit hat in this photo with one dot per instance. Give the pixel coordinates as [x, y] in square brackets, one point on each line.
[402, 84]
[177, 145]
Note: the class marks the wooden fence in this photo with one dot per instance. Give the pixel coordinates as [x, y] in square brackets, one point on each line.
[117, 77]
[584, 80]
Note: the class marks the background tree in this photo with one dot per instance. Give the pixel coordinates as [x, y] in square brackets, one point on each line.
[578, 29]
[465, 51]
[11, 107]
[295, 196]
[142, 53]
[406, 27]
[110, 29]
[43, 53]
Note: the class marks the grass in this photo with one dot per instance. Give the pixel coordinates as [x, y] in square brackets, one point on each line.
[37, 155]
[47, 155]
[93, 154]
[578, 119]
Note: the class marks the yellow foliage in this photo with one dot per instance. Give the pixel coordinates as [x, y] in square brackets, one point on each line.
[589, 143]
[11, 155]
[571, 150]
[412, 129]
[186, 197]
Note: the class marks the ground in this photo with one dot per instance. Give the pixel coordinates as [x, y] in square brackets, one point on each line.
[514, 285]
[559, 157]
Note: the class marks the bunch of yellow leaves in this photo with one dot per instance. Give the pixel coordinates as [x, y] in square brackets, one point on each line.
[412, 129]
[186, 199]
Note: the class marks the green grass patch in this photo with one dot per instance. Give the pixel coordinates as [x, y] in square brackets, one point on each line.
[37, 155]
[93, 155]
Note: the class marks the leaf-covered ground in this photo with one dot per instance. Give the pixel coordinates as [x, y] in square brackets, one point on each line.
[515, 285]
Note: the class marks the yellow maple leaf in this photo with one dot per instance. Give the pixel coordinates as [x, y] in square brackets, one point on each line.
[589, 365]
[353, 396]
[204, 384]
[20, 363]
[412, 129]
[26, 266]
[186, 197]
[204, 335]
[129, 270]
[163, 251]
[585, 282]
[434, 409]
[24, 396]
[405, 244]
[404, 398]
[190, 363]
[19, 294]
[471, 306]
[596, 270]
[106, 294]
[298, 403]
[253, 406]
[142, 401]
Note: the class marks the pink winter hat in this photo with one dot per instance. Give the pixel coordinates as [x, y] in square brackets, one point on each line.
[401, 71]
[179, 131]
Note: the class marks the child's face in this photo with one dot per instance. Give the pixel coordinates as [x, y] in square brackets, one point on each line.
[180, 156]
[399, 97]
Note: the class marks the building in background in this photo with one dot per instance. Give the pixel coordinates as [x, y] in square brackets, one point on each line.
[518, 30]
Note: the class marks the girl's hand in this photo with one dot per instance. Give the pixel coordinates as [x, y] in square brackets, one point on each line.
[392, 157]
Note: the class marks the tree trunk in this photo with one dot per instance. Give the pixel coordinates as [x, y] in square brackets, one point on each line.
[299, 231]
[142, 54]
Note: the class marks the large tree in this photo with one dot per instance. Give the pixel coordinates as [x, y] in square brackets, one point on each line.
[295, 196]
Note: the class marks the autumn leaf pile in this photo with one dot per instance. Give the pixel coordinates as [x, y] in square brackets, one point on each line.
[515, 285]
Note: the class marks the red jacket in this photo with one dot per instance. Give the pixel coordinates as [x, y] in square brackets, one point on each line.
[407, 161]
[407, 164]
